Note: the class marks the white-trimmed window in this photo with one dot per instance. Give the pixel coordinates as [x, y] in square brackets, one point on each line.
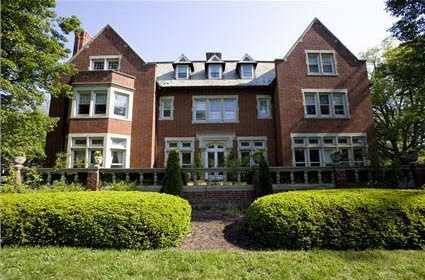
[322, 149]
[121, 103]
[83, 150]
[114, 149]
[109, 62]
[215, 71]
[182, 71]
[166, 108]
[100, 102]
[321, 62]
[247, 71]
[248, 146]
[264, 106]
[325, 103]
[215, 109]
[184, 146]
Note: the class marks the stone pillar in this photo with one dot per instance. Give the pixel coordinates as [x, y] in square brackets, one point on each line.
[340, 177]
[19, 164]
[92, 180]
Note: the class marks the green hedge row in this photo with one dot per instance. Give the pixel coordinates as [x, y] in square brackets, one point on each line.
[339, 219]
[94, 219]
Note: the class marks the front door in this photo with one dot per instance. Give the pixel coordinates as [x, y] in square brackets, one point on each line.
[215, 158]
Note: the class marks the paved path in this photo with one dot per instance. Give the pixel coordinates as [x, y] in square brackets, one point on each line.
[215, 229]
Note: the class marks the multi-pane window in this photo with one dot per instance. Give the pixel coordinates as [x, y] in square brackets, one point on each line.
[118, 152]
[329, 149]
[247, 147]
[166, 108]
[83, 150]
[100, 102]
[321, 62]
[182, 71]
[121, 104]
[214, 71]
[247, 71]
[325, 104]
[185, 148]
[263, 107]
[105, 63]
[83, 102]
[215, 109]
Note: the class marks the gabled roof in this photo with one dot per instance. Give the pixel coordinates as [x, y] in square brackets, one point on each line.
[114, 33]
[214, 59]
[312, 23]
[182, 59]
[247, 59]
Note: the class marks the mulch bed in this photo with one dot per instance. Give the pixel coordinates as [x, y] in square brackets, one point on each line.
[217, 229]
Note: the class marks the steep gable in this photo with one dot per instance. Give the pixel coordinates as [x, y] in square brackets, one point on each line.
[317, 28]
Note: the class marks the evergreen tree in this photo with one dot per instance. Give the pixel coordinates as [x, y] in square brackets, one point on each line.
[172, 182]
[263, 180]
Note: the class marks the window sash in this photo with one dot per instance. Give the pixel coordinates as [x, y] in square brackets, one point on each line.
[321, 62]
[215, 109]
[166, 108]
[121, 104]
[247, 71]
[328, 104]
[214, 71]
[182, 71]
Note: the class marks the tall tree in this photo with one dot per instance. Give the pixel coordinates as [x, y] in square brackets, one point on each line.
[32, 54]
[411, 23]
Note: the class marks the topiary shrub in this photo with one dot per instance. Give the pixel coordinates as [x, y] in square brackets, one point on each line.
[172, 182]
[120, 186]
[263, 181]
[94, 219]
[339, 219]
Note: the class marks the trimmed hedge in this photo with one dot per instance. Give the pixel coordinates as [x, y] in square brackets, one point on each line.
[339, 219]
[94, 219]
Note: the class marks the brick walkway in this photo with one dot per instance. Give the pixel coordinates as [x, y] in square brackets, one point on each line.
[215, 229]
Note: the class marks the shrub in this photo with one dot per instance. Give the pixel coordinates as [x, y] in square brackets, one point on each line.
[232, 165]
[120, 186]
[172, 182]
[57, 186]
[263, 181]
[94, 219]
[339, 219]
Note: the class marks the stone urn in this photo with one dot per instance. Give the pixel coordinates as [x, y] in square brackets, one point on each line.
[19, 160]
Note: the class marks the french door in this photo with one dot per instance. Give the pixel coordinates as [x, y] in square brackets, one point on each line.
[215, 158]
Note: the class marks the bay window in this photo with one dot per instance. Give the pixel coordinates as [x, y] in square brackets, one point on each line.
[319, 103]
[322, 149]
[101, 102]
[114, 149]
[215, 109]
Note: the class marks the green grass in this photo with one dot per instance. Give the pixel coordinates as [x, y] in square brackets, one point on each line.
[70, 263]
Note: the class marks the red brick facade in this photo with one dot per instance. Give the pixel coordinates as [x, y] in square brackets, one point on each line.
[148, 132]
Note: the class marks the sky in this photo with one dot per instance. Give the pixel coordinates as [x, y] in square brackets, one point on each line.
[162, 30]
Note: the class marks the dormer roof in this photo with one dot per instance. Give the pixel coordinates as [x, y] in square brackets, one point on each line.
[214, 59]
[183, 60]
[247, 59]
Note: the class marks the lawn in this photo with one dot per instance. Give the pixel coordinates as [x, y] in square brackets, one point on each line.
[71, 263]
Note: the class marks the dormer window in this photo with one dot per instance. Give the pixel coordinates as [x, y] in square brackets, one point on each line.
[110, 62]
[214, 71]
[182, 71]
[246, 67]
[247, 71]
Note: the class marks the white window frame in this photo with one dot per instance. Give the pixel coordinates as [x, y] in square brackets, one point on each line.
[321, 73]
[180, 148]
[251, 77]
[107, 147]
[162, 99]
[252, 149]
[209, 97]
[110, 99]
[306, 146]
[105, 62]
[220, 67]
[176, 74]
[268, 98]
[331, 93]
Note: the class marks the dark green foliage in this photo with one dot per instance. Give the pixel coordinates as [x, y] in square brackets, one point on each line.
[120, 186]
[348, 219]
[411, 20]
[94, 219]
[263, 180]
[172, 182]
[232, 165]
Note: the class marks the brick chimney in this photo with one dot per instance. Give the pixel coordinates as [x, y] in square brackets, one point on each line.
[81, 38]
[208, 55]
